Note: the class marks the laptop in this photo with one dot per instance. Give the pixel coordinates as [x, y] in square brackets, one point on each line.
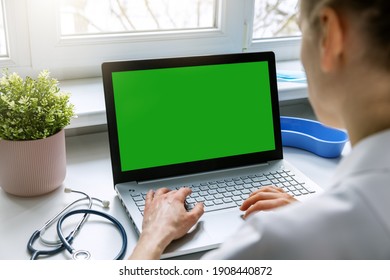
[210, 123]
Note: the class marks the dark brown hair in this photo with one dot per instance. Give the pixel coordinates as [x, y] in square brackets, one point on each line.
[373, 17]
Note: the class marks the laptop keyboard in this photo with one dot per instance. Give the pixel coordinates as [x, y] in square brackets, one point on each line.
[232, 192]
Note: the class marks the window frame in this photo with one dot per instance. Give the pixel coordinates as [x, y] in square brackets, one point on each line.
[285, 48]
[36, 43]
[4, 23]
[80, 57]
[15, 18]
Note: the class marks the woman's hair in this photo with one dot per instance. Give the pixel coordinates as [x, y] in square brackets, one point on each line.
[373, 17]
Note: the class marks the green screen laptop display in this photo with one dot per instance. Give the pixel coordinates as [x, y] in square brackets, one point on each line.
[194, 113]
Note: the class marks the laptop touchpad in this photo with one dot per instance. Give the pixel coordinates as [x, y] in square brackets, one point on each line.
[223, 225]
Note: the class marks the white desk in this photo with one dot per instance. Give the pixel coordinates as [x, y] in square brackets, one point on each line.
[89, 170]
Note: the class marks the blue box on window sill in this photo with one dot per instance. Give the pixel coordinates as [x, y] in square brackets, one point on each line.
[312, 136]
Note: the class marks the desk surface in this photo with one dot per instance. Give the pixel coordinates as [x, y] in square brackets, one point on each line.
[89, 170]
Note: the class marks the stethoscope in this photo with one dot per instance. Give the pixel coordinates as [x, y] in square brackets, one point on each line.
[64, 243]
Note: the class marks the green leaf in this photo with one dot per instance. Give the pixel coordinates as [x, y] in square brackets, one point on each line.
[32, 108]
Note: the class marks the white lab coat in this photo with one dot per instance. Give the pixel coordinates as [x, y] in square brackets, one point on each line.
[351, 220]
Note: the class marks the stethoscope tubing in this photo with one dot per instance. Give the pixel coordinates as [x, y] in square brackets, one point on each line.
[67, 243]
[77, 227]
[64, 243]
[36, 253]
[58, 244]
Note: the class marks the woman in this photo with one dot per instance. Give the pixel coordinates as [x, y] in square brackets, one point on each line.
[346, 55]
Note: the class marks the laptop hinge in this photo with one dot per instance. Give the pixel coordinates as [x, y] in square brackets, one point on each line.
[186, 176]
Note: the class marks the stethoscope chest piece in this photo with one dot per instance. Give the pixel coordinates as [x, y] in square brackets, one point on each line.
[81, 255]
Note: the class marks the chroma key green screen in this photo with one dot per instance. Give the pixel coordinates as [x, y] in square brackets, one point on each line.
[185, 114]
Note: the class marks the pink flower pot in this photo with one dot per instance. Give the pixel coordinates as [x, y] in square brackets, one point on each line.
[32, 168]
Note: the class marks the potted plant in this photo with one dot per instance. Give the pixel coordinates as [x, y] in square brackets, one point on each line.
[33, 115]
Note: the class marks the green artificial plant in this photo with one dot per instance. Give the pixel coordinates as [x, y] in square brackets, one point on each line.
[32, 109]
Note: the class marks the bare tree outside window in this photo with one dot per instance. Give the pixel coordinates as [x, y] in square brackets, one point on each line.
[3, 37]
[275, 18]
[85, 17]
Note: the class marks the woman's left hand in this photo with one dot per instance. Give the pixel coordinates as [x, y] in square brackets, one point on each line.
[266, 198]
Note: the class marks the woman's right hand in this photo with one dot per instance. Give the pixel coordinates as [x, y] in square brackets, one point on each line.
[165, 219]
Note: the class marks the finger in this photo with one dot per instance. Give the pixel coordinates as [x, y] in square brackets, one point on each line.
[148, 200]
[149, 197]
[182, 193]
[196, 212]
[268, 189]
[262, 206]
[258, 197]
[161, 191]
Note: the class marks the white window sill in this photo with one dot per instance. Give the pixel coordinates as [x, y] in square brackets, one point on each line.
[88, 96]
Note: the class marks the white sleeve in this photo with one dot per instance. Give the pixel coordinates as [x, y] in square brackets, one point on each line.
[335, 225]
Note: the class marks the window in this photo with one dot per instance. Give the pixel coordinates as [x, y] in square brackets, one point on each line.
[275, 18]
[3, 36]
[274, 27]
[14, 36]
[129, 16]
[72, 38]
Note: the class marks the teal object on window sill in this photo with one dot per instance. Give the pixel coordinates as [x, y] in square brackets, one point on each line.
[291, 76]
[312, 136]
